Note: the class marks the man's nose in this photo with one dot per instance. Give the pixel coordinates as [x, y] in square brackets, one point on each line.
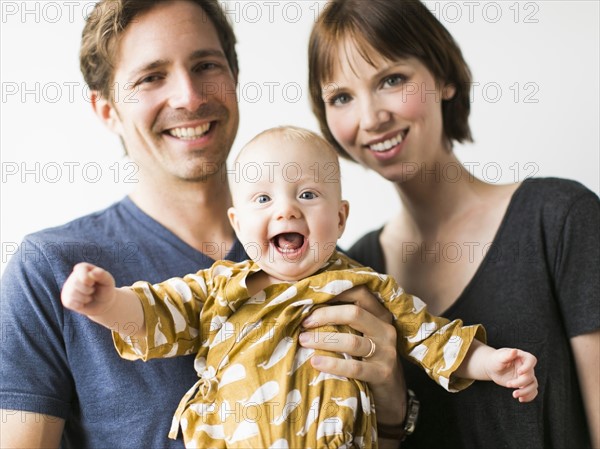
[187, 93]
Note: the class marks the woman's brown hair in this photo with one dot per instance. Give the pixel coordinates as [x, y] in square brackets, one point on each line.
[394, 29]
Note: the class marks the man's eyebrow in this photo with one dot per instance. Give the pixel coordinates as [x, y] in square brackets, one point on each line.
[198, 54]
[148, 67]
[207, 52]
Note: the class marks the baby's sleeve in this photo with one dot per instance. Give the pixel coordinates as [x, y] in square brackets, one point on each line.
[172, 318]
[437, 344]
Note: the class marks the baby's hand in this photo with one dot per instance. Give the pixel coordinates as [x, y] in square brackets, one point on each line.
[89, 290]
[513, 368]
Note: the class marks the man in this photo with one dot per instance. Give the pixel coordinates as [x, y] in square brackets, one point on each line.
[174, 67]
[176, 63]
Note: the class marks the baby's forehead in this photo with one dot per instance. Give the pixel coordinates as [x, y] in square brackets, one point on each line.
[277, 147]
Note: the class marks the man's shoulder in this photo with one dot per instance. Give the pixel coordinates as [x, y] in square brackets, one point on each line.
[106, 238]
[92, 226]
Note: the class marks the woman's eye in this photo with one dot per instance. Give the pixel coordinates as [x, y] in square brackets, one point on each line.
[340, 99]
[263, 199]
[308, 195]
[393, 80]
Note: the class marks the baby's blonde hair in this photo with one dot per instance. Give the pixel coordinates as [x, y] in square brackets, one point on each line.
[294, 133]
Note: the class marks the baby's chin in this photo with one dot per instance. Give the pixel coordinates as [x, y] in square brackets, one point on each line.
[293, 273]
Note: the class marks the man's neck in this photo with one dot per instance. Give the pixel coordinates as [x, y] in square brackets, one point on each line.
[196, 212]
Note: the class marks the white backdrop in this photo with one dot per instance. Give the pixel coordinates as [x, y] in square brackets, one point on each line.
[535, 103]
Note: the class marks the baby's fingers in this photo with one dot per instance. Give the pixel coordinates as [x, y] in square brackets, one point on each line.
[528, 361]
[101, 276]
[79, 287]
[527, 393]
[523, 379]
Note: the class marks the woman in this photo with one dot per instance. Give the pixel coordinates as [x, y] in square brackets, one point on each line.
[390, 89]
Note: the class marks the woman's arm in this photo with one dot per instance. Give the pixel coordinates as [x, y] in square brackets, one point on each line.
[586, 351]
[381, 371]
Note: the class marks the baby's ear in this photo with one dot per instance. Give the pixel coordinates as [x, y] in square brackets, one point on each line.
[343, 216]
[232, 215]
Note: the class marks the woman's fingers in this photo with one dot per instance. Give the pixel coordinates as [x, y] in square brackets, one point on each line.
[339, 342]
[352, 315]
[363, 298]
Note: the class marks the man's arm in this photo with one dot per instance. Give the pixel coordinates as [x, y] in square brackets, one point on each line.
[586, 351]
[21, 429]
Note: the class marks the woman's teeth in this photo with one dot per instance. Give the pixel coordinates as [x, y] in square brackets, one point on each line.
[387, 144]
[190, 133]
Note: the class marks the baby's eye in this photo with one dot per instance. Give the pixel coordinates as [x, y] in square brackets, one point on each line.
[308, 195]
[263, 199]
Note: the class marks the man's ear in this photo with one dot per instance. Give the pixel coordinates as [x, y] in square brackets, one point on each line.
[343, 216]
[106, 112]
[232, 215]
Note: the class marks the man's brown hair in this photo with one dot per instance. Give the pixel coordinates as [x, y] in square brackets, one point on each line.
[108, 21]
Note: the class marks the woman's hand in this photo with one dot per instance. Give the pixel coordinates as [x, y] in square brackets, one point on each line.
[363, 312]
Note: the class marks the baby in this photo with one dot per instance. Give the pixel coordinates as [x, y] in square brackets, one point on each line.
[242, 320]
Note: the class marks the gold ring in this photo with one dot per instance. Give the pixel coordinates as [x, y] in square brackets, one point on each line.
[372, 350]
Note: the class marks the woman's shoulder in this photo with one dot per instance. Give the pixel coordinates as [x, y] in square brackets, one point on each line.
[552, 201]
[368, 251]
[555, 190]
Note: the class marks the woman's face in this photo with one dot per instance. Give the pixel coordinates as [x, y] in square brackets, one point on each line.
[387, 115]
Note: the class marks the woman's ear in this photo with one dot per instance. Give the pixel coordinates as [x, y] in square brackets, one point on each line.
[448, 92]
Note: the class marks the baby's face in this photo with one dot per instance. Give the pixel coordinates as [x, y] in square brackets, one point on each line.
[288, 212]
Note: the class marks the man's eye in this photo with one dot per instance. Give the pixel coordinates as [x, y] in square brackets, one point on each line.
[149, 79]
[263, 199]
[204, 66]
[308, 195]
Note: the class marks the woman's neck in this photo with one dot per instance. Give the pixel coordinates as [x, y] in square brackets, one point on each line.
[438, 196]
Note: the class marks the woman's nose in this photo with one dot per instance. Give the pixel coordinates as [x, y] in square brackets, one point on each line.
[372, 114]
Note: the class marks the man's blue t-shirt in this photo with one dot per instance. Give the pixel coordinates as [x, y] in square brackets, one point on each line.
[59, 363]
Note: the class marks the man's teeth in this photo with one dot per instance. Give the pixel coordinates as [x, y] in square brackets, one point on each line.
[387, 144]
[190, 133]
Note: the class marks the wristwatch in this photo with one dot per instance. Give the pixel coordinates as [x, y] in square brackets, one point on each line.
[412, 413]
[400, 432]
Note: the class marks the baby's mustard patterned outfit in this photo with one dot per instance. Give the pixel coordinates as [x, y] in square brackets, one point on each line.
[256, 388]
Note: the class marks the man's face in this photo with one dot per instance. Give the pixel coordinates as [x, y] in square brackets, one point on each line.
[174, 101]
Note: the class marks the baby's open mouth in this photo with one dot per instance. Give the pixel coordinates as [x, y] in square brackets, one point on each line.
[288, 242]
